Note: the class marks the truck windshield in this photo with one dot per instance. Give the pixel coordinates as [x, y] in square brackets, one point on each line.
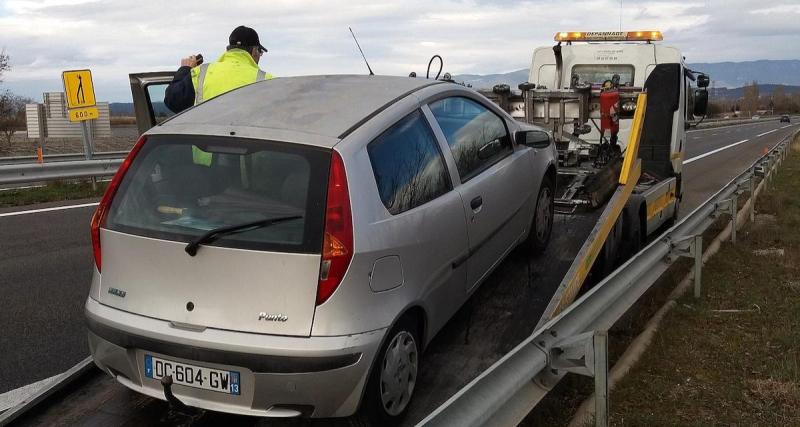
[181, 187]
[596, 74]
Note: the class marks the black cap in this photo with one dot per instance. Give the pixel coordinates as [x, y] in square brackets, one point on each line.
[243, 37]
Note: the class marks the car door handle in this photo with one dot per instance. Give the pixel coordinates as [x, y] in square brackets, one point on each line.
[476, 203]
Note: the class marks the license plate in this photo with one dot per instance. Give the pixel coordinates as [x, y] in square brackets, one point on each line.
[191, 375]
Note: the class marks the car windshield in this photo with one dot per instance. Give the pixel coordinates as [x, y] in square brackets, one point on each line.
[180, 187]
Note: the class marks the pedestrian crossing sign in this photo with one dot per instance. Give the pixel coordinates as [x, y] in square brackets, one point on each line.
[78, 88]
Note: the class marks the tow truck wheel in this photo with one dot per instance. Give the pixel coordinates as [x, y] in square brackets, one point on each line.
[542, 221]
[634, 226]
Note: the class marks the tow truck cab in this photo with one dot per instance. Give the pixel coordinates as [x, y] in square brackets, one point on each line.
[563, 95]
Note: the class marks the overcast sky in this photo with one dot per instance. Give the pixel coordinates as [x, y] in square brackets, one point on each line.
[114, 38]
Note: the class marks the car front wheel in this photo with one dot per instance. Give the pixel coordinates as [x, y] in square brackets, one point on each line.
[542, 221]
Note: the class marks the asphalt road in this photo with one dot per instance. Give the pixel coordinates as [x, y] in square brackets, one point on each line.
[704, 176]
[46, 263]
[45, 268]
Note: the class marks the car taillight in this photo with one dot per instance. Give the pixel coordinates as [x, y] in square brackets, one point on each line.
[337, 244]
[100, 214]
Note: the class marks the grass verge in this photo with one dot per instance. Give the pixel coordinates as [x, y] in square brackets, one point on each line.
[733, 356]
[52, 192]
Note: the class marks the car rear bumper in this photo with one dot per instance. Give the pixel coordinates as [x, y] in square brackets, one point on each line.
[280, 376]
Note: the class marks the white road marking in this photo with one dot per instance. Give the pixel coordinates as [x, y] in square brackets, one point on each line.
[766, 133]
[686, 162]
[14, 397]
[727, 127]
[785, 127]
[57, 208]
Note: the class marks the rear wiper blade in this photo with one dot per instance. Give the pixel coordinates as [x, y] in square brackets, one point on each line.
[214, 234]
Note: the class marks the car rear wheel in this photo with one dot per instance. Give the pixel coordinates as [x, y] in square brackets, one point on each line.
[394, 375]
[542, 221]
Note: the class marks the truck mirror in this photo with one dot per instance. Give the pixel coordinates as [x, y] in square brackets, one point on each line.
[533, 138]
[700, 102]
[703, 80]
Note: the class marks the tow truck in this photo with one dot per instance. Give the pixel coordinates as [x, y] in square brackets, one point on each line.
[568, 88]
[611, 196]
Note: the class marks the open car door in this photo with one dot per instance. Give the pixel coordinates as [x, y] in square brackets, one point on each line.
[148, 98]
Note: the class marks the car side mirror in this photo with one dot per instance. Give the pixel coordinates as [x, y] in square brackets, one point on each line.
[700, 102]
[703, 81]
[533, 138]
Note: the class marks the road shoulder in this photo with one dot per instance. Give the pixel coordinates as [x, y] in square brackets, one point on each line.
[733, 356]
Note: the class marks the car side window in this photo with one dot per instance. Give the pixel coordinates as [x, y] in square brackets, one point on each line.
[408, 166]
[477, 137]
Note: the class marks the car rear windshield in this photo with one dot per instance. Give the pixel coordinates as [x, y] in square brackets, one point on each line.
[180, 187]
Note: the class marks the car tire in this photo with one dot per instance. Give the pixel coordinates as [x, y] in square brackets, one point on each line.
[542, 221]
[394, 375]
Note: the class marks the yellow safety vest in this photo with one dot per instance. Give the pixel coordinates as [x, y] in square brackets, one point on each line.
[234, 69]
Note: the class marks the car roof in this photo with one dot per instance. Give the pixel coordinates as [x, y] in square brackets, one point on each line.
[328, 106]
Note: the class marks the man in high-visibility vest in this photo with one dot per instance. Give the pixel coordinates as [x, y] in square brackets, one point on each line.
[195, 83]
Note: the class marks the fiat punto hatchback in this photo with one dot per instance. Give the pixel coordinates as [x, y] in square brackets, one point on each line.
[289, 248]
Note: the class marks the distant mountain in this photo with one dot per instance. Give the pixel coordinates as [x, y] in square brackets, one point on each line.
[488, 81]
[723, 74]
[763, 90]
[126, 109]
[121, 108]
[738, 74]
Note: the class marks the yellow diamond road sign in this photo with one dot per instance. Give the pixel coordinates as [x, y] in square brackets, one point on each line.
[78, 89]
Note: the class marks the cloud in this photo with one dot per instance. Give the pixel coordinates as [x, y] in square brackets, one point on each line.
[114, 38]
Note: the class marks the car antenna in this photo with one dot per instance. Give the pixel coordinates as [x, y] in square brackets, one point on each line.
[362, 52]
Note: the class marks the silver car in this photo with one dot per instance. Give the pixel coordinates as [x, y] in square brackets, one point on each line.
[290, 248]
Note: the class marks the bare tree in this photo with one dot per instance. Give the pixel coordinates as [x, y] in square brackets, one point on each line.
[780, 99]
[750, 102]
[12, 107]
[5, 65]
[12, 115]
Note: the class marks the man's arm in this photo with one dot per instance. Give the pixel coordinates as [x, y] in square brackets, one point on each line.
[180, 92]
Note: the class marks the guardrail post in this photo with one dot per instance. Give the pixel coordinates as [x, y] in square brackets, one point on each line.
[691, 247]
[772, 161]
[586, 354]
[601, 378]
[752, 194]
[734, 209]
[730, 207]
[697, 248]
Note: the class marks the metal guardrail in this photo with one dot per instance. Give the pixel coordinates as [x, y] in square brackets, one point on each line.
[715, 123]
[34, 172]
[39, 396]
[575, 340]
[101, 155]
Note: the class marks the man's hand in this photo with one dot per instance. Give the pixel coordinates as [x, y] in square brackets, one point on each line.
[190, 61]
